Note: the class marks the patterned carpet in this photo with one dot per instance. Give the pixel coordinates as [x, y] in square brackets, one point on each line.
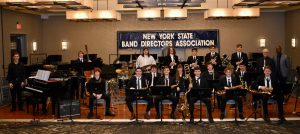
[290, 127]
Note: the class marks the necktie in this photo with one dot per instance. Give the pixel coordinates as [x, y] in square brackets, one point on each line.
[264, 62]
[152, 81]
[228, 82]
[194, 57]
[138, 84]
[268, 82]
[167, 82]
[198, 81]
[81, 59]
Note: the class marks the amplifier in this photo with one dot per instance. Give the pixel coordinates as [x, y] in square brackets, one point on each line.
[5, 97]
[69, 108]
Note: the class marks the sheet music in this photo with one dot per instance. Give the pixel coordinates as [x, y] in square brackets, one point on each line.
[43, 75]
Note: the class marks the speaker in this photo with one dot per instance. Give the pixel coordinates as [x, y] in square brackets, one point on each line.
[69, 108]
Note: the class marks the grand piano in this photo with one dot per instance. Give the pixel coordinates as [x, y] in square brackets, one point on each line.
[42, 86]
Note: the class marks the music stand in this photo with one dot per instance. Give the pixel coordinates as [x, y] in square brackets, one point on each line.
[213, 84]
[236, 93]
[138, 93]
[161, 90]
[202, 93]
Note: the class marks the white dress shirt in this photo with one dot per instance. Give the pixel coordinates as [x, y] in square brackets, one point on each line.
[144, 61]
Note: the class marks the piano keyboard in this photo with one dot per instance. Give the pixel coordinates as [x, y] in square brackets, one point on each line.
[33, 89]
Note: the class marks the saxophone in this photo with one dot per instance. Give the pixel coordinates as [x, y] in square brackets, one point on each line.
[184, 106]
[223, 92]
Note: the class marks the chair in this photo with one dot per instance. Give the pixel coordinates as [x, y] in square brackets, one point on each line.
[97, 102]
[230, 102]
[140, 102]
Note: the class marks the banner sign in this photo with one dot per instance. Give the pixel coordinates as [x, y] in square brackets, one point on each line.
[173, 38]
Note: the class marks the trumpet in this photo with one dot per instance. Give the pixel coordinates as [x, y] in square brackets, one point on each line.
[237, 66]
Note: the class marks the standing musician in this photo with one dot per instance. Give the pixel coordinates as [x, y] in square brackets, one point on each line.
[226, 83]
[239, 57]
[145, 60]
[166, 80]
[265, 61]
[97, 90]
[212, 74]
[16, 79]
[171, 60]
[80, 65]
[213, 57]
[138, 82]
[199, 82]
[194, 60]
[264, 83]
[153, 76]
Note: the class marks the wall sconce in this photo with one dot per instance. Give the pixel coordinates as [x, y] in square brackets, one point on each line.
[262, 42]
[34, 46]
[64, 45]
[293, 42]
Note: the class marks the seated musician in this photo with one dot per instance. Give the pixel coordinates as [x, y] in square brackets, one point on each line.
[182, 79]
[166, 80]
[145, 60]
[243, 74]
[262, 84]
[153, 76]
[96, 88]
[199, 82]
[212, 74]
[193, 60]
[226, 83]
[138, 81]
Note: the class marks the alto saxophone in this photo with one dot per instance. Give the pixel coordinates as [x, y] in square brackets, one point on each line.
[222, 92]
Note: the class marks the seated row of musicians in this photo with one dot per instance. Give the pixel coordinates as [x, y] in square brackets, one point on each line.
[97, 90]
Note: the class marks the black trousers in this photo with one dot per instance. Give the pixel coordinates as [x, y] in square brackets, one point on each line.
[105, 97]
[237, 100]
[206, 101]
[129, 99]
[158, 99]
[16, 94]
[279, 99]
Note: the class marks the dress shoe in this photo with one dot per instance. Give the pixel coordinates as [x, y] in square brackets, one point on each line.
[222, 116]
[157, 116]
[146, 116]
[109, 113]
[241, 116]
[210, 119]
[172, 116]
[132, 116]
[281, 120]
[90, 115]
[192, 120]
[267, 119]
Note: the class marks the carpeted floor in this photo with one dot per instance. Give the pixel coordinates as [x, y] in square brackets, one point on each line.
[290, 127]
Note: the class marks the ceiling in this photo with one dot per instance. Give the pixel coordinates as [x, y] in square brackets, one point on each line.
[133, 5]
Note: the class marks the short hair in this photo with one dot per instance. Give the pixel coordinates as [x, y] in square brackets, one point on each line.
[80, 52]
[197, 68]
[153, 66]
[208, 63]
[194, 49]
[268, 67]
[166, 67]
[97, 69]
[16, 53]
[138, 69]
[226, 69]
[242, 64]
[212, 46]
[239, 45]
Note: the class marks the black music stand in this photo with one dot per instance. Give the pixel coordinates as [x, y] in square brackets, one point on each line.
[255, 108]
[236, 93]
[213, 85]
[161, 90]
[138, 93]
[202, 93]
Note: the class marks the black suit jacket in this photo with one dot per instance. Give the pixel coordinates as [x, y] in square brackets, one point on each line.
[234, 81]
[210, 77]
[96, 86]
[260, 81]
[148, 76]
[208, 57]
[190, 60]
[133, 84]
[234, 59]
[203, 83]
[161, 81]
[269, 62]
[246, 77]
[80, 66]
[168, 60]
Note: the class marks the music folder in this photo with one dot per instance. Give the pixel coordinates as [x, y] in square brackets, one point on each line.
[200, 92]
[161, 90]
[138, 92]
